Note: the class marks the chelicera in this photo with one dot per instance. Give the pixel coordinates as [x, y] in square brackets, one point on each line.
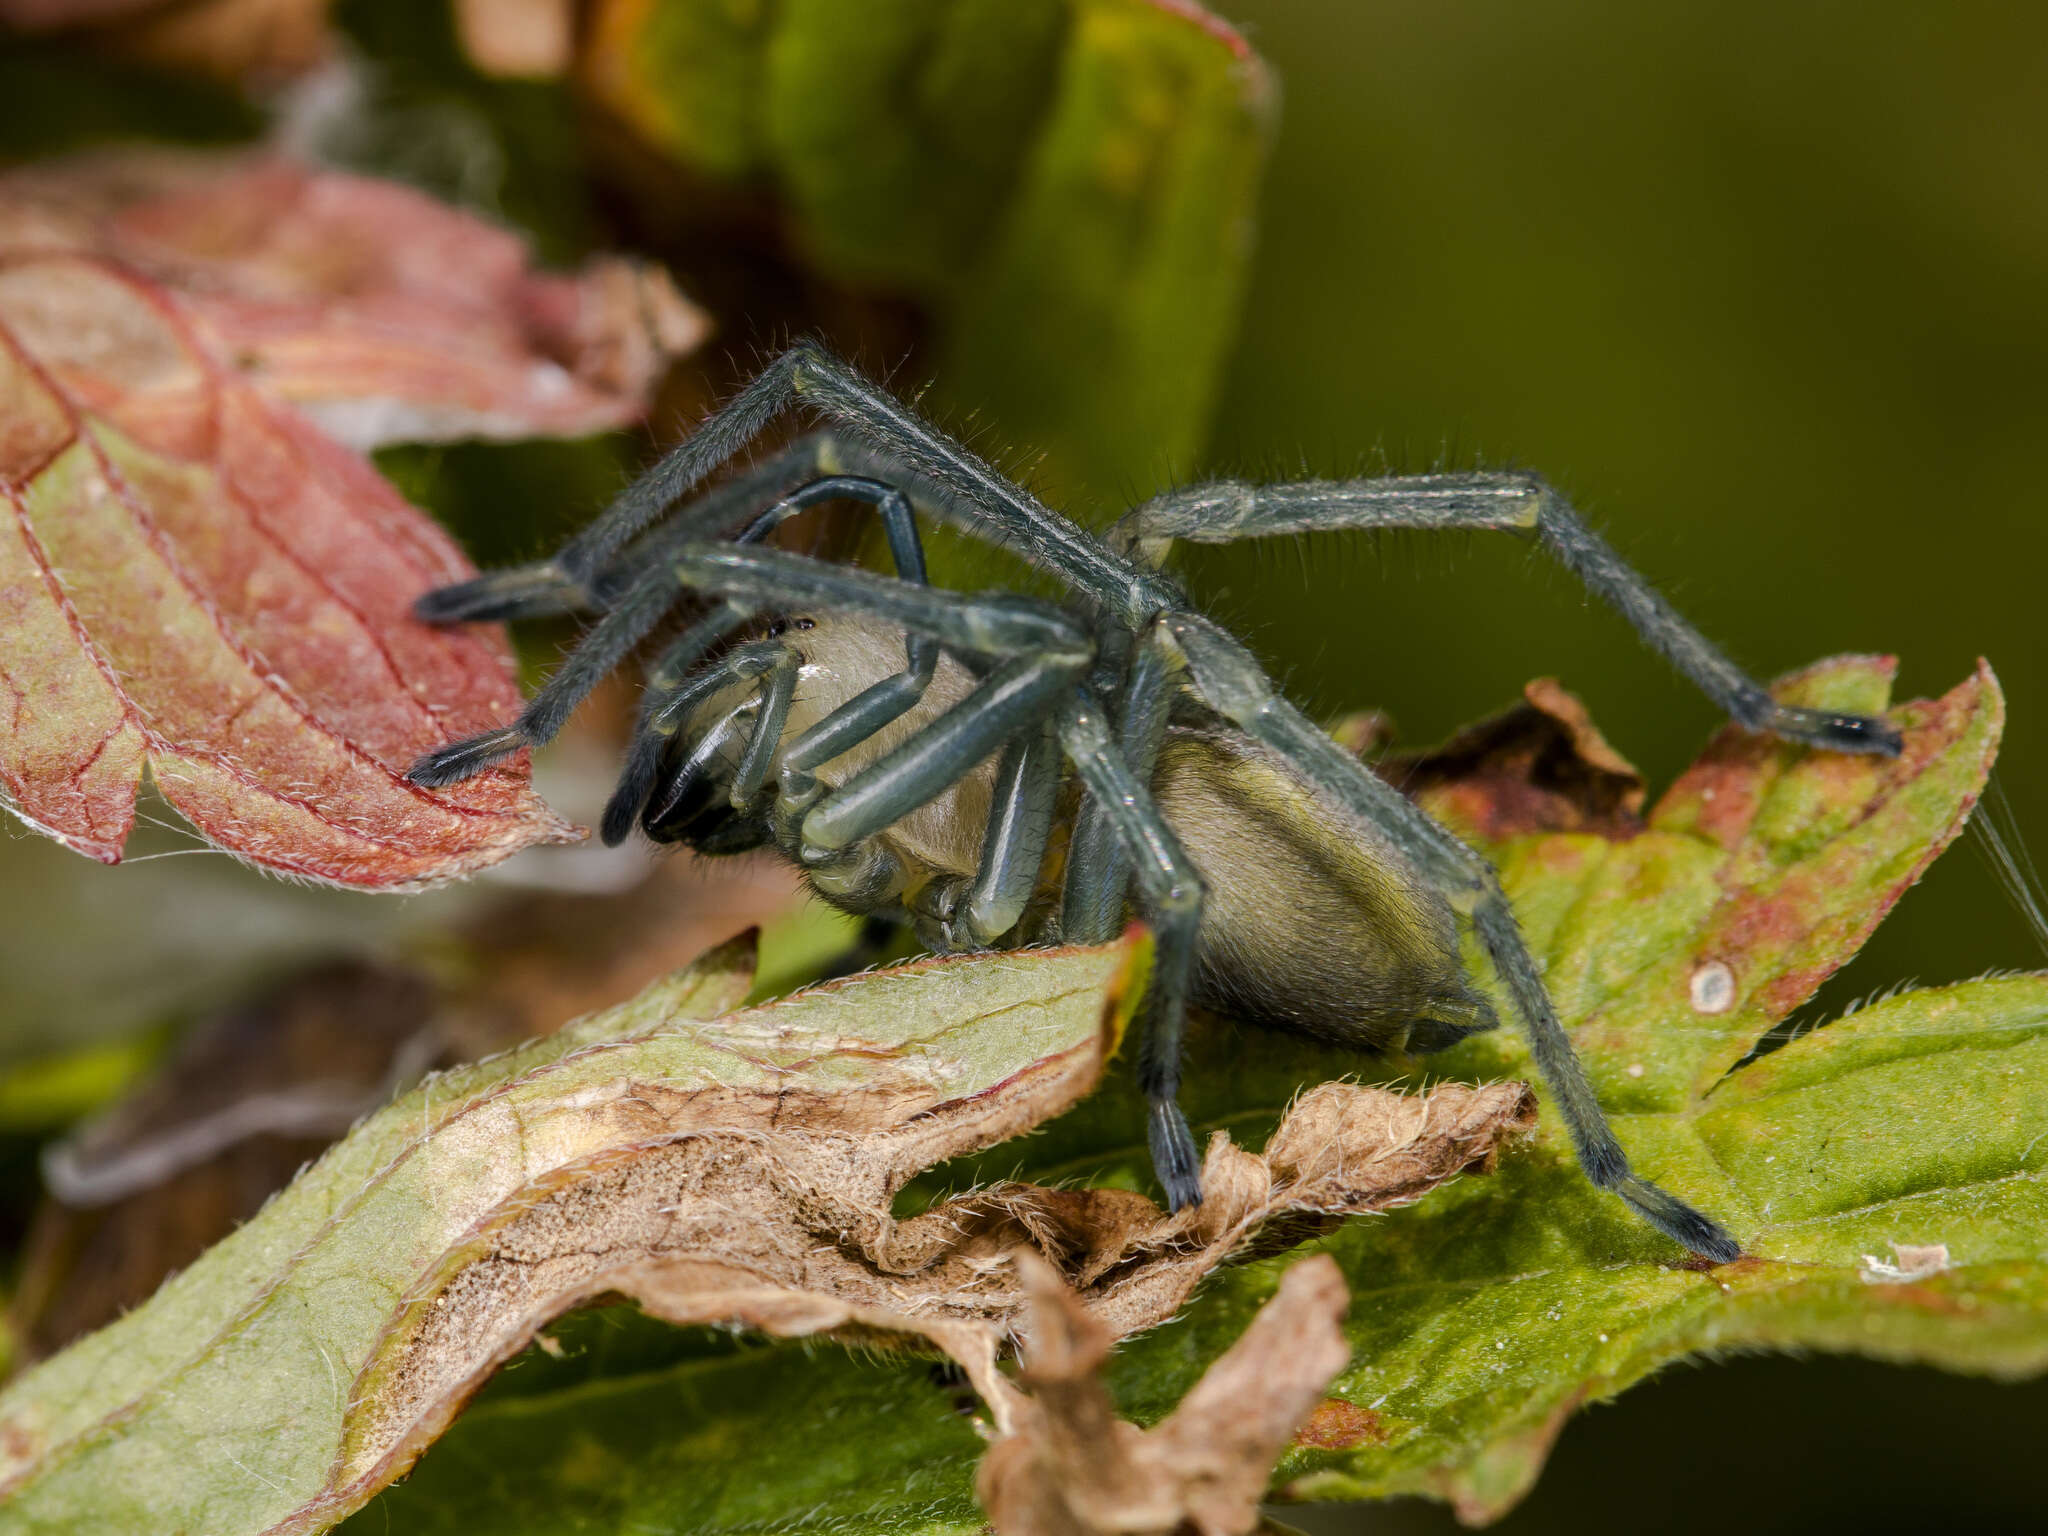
[1000, 769]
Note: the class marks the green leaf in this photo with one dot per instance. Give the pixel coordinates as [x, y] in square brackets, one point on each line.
[1485, 1316]
[281, 1380]
[1068, 185]
[1488, 1313]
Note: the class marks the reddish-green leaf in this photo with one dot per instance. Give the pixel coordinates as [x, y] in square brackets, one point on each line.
[195, 580]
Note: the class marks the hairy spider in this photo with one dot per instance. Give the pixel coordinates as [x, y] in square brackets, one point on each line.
[916, 751]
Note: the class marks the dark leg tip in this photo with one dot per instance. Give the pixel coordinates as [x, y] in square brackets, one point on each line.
[620, 812]
[465, 759]
[1680, 1222]
[1869, 735]
[527, 591]
[456, 603]
[1173, 1154]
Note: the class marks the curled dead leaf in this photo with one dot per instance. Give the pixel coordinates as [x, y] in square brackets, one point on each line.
[1541, 765]
[1068, 1466]
[716, 1166]
[530, 38]
[230, 39]
[255, 1091]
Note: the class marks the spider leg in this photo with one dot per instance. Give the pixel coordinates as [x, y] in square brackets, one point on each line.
[1012, 699]
[545, 588]
[1226, 676]
[778, 692]
[899, 443]
[1013, 844]
[1171, 893]
[984, 624]
[670, 699]
[1229, 510]
[642, 605]
[1098, 867]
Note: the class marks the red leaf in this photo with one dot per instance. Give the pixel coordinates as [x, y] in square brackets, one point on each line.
[195, 579]
[387, 316]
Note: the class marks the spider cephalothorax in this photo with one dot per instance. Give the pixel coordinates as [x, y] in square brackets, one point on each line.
[1001, 769]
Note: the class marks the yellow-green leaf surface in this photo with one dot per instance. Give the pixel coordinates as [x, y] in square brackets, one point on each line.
[1068, 184]
[1883, 1172]
[254, 1391]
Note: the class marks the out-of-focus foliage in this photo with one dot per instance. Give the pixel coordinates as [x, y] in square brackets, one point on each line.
[1066, 184]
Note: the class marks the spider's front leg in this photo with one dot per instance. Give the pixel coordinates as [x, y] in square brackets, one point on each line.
[985, 908]
[546, 588]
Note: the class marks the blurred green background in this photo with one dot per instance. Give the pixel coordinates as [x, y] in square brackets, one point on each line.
[1764, 288]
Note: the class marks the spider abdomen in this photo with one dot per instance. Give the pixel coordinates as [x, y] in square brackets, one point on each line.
[1309, 923]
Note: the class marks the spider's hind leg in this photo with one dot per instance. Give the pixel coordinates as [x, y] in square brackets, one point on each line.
[1231, 682]
[1226, 511]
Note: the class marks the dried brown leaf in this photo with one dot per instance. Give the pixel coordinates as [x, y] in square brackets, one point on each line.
[1539, 766]
[249, 1097]
[1069, 1467]
[256, 1091]
[737, 1170]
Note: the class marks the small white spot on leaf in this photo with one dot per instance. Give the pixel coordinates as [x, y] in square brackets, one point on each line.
[1911, 1261]
[1712, 987]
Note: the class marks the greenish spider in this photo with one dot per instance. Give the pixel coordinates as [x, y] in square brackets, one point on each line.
[1000, 769]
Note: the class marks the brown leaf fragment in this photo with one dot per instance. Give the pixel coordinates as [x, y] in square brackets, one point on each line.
[251, 42]
[1339, 1426]
[256, 1091]
[529, 38]
[1070, 1467]
[1542, 766]
[788, 1230]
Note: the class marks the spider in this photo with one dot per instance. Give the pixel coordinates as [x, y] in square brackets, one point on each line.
[1000, 769]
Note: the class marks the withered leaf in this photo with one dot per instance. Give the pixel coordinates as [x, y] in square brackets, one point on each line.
[263, 40]
[1068, 1466]
[738, 1170]
[250, 1095]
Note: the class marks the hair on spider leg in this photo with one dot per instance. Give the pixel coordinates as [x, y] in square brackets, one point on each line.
[998, 770]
